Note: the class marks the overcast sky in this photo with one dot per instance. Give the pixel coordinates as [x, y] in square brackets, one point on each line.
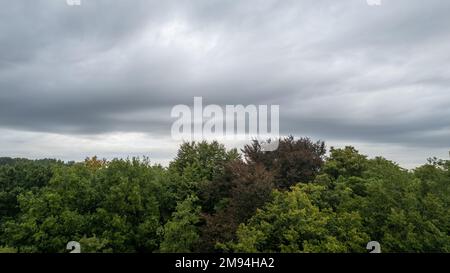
[101, 78]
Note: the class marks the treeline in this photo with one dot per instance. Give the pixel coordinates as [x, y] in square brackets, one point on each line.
[209, 199]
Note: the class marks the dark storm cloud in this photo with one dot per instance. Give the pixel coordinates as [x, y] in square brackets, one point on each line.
[339, 69]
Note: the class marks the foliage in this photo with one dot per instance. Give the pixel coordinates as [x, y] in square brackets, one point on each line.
[294, 161]
[180, 232]
[293, 199]
[292, 222]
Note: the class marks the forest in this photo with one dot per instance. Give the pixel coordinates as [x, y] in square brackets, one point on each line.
[302, 197]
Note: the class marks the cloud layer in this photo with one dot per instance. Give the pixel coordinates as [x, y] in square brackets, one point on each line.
[108, 72]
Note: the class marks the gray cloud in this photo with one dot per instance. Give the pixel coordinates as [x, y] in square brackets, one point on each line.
[340, 70]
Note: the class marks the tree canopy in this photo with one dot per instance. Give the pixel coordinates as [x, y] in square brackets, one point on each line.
[210, 199]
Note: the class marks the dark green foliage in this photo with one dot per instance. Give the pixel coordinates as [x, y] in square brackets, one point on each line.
[196, 165]
[202, 160]
[293, 199]
[111, 205]
[293, 222]
[181, 232]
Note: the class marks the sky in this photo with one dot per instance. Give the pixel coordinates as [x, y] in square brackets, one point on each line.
[101, 78]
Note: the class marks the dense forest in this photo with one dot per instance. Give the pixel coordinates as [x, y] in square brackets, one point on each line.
[298, 198]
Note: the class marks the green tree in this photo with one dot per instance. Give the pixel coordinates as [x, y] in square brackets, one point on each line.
[345, 162]
[196, 165]
[292, 222]
[181, 231]
[115, 202]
